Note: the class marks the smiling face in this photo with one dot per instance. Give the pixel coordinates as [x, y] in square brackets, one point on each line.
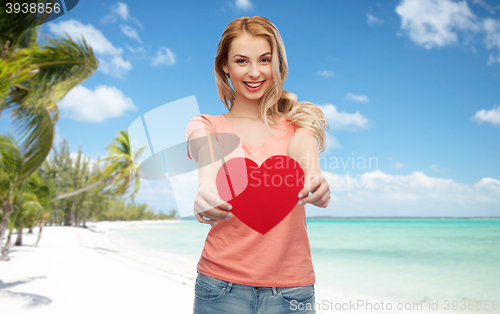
[249, 66]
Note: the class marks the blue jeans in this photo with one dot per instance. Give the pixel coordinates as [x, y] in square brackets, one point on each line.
[216, 296]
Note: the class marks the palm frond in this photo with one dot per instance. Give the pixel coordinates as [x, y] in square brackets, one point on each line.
[14, 69]
[18, 29]
[63, 64]
[37, 132]
[11, 158]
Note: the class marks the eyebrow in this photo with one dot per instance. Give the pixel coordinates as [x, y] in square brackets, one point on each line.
[267, 53]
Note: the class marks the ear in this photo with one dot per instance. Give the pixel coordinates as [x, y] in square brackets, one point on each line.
[225, 69]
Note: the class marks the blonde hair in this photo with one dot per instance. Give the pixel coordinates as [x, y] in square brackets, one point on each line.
[277, 100]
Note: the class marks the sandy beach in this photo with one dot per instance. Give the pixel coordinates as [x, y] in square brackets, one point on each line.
[76, 270]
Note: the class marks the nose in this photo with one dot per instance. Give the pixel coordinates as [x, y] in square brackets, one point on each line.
[254, 71]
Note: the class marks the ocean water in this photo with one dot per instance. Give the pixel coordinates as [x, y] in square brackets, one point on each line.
[413, 260]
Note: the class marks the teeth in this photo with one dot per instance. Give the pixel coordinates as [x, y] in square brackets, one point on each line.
[254, 85]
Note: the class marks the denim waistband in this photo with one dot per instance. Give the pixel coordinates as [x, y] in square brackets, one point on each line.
[228, 285]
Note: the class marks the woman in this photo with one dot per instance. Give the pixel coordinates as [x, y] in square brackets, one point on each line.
[240, 269]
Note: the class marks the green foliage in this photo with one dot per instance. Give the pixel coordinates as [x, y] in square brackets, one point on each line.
[121, 210]
[121, 165]
[68, 173]
[34, 75]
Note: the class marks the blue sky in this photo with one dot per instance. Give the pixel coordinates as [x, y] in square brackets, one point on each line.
[413, 84]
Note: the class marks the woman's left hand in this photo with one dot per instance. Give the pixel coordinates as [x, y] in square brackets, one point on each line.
[320, 189]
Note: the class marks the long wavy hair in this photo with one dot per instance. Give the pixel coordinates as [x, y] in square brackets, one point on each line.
[277, 100]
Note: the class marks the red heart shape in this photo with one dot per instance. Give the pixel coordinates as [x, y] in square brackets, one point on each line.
[263, 196]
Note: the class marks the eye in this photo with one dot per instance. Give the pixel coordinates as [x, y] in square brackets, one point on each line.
[265, 59]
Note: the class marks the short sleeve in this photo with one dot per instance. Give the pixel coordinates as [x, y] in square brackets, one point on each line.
[198, 122]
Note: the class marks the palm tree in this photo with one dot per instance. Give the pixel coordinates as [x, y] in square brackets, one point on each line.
[44, 192]
[12, 164]
[26, 206]
[120, 170]
[33, 77]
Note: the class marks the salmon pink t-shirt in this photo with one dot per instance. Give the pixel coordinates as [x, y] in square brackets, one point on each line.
[235, 252]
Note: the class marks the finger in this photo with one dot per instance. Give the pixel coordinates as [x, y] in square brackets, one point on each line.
[318, 194]
[322, 202]
[203, 209]
[201, 219]
[213, 213]
[309, 187]
[215, 201]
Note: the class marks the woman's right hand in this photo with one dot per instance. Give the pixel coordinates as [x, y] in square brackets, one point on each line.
[207, 203]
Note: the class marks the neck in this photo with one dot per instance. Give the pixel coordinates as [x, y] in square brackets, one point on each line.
[243, 107]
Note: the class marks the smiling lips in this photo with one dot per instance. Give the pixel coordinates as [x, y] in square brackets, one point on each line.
[253, 86]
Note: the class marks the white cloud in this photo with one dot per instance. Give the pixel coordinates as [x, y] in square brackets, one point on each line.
[378, 194]
[398, 165]
[360, 98]
[116, 67]
[331, 143]
[164, 56]
[130, 32]
[93, 36]
[493, 60]
[103, 103]
[243, 4]
[110, 57]
[139, 49]
[437, 168]
[121, 9]
[492, 29]
[489, 184]
[325, 73]
[373, 20]
[434, 23]
[343, 120]
[486, 6]
[491, 116]
[118, 11]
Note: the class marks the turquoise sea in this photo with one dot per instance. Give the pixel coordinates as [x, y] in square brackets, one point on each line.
[412, 260]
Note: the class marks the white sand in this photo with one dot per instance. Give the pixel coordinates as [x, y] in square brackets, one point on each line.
[75, 270]
[72, 271]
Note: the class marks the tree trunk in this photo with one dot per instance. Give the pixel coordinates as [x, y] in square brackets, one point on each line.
[70, 217]
[19, 239]
[7, 245]
[30, 230]
[60, 197]
[7, 209]
[42, 223]
[86, 216]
